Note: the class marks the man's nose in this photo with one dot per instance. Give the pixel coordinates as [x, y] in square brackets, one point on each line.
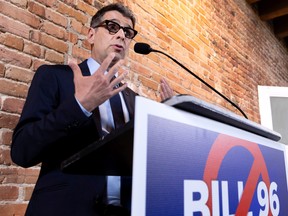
[121, 33]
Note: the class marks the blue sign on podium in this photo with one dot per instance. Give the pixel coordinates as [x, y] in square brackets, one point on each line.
[186, 164]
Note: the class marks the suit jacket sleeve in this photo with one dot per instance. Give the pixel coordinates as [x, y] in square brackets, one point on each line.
[49, 118]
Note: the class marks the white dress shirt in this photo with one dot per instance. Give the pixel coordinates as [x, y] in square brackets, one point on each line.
[107, 122]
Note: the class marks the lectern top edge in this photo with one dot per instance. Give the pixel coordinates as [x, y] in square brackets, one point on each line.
[199, 107]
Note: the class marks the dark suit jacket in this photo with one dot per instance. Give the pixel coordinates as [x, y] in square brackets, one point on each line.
[52, 127]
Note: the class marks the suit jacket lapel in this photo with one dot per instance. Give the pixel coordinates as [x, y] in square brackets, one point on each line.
[84, 68]
[129, 98]
[95, 113]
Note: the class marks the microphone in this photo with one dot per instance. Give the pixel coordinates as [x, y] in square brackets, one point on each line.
[145, 49]
[142, 48]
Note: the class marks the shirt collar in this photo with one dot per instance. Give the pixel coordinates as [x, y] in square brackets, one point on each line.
[92, 65]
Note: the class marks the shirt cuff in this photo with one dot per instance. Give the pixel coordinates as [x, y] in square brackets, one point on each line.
[87, 113]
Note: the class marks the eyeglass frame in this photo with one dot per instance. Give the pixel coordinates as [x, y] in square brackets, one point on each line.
[105, 24]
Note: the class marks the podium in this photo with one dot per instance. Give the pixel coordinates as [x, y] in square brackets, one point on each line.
[110, 156]
[189, 157]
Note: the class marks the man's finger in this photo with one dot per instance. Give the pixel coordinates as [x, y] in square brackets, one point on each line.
[111, 73]
[121, 88]
[118, 79]
[166, 91]
[75, 68]
[106, 63]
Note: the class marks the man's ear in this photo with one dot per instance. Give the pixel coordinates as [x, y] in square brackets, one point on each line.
[91, 35]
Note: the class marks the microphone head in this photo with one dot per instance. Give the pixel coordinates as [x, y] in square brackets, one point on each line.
[142, 48]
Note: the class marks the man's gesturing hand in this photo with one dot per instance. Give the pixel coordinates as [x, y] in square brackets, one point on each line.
[92, 91]
[166, 91]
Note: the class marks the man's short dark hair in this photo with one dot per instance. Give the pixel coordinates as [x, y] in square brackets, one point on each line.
[125, 11]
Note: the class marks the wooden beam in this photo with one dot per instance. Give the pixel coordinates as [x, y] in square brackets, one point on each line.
[270, 9]
[281, 26]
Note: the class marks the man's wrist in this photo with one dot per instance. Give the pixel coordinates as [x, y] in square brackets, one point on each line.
[86, 112]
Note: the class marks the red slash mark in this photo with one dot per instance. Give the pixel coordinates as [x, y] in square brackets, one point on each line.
[220, 148]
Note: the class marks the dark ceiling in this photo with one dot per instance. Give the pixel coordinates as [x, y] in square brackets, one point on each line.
[275, 12]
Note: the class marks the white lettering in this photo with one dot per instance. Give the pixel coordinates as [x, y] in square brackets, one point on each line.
[215, 198]
[225, 199]
[191, 206]
[196, 195]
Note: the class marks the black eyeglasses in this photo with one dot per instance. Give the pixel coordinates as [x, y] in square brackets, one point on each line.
[114, 27]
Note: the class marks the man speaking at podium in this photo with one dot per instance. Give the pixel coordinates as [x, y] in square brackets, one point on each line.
[68, 108]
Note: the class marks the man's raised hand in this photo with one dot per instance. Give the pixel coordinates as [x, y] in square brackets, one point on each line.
[92, 91]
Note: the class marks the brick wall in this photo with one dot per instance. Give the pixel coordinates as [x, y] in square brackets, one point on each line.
[222, 41]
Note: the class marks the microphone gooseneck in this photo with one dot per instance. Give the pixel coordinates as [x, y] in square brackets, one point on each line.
[143, 48]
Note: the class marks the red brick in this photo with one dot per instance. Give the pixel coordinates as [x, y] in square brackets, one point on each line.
[171, 76]
[12, 26]
[56, 17]
[54, 57]
[20, 3]
[28, 193]
[19, 175]
[8, 192]
[65, 9]
[32, 171]
[73, 38]
[12, 41]
[86, 45]
[163, 37]
[5, 158]
[71, 3]
[2, 178]
[54, 30]
[13, 105]
[19, 74]
[77, 26]
[31, 179]
[53, 43]
[144, 71]
[2, 70]
[11, 88]
[161, 24]
[33, 49]
[148, 83]
[6, 137]
[19, 14]
[36, 9]
[89, 1]
[79, 52]
[85, 30]
[188, 46]
[174, 34]
[86, 8]
[8, 121]
[13, 209]
[49, 3]
[49, 41]
[15, 58]
[37, 63]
